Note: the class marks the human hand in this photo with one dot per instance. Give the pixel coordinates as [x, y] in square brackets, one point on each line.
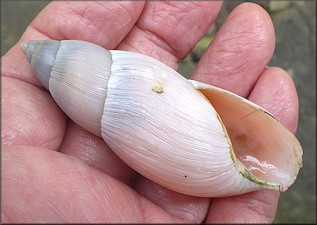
[54, 171]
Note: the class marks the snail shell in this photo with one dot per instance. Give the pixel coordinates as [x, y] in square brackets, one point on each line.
[188, 136]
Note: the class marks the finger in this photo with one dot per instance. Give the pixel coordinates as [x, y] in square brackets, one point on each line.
[254, 207]
[240, 51]
[96, 22]
[31, 117]
[48, 187]
[274, 91]
[103, 23]
[191, 209]
[169, 30]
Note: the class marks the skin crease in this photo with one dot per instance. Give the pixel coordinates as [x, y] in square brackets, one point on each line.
[54, 171]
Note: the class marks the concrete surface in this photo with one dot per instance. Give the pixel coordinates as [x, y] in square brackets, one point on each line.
[295, 27]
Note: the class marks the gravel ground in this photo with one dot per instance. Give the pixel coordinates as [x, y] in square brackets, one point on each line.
[295, 27]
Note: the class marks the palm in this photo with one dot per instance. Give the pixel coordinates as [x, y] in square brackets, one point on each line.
[54, 171]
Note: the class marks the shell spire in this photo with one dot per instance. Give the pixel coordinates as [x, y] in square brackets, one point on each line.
[64, 68]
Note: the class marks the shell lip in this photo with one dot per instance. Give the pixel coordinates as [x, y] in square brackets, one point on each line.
[280, 185]
[243, 170]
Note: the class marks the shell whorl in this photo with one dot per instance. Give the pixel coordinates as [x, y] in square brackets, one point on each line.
[41, 55]
[76, 74]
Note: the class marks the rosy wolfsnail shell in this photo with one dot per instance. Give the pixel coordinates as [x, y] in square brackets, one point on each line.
[188, 136]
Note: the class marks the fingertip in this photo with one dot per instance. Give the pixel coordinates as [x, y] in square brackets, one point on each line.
[168, 30]
[189, 208]
[105, 23]
[254, 207]
[276, 92]
[241, 49]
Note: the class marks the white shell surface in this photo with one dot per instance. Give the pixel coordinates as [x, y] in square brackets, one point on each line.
[78, 82]
[157, 123]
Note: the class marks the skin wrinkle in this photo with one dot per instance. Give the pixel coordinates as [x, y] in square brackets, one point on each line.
[91, 190]
[51, 141]
[256, 206]
[138, 215]
[23, 179]
[96, 196]
[261, 212]
[142, 216]
[48, 129]
[172, 202]
[10, 135]
[157, 44]
[128, 45]
[124, 7]
[183, 9]
[21, 107]
[88, 153]
[260, 206]
[85, 23]
[188, 214]
[217, 65]
[157, 40]
[22, 130]
[55, 20]
[127, 22]
[230, 214]
[149, 218]
[159, 12]
[57, 213]
[54, 196]
[67, 23]
[263, 29]
[241, 49]
[182, 6]
[84, 139]
[189, 211]
[91, 19]
[162, 17]
[117, 200]
[151, 49]
[14, 178]
[5, 216]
